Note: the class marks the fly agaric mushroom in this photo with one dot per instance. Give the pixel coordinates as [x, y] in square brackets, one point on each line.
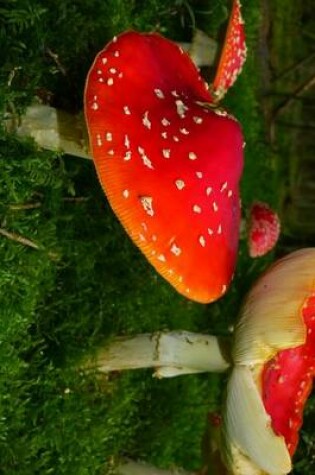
[168, 160]
[273, 365]
[233, 55]
[274, 358]
[264, 229]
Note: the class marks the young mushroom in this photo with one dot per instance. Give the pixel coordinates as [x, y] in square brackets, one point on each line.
[263, 229]
[233, 55]
[169, 161]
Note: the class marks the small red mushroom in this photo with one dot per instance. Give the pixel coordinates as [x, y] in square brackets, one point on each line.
[233, 54]
[169, 163]
[264, 229]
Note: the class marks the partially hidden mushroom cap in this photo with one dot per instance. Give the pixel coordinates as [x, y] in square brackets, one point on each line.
[263, 230]
[170, 165]
[233, 54]
[274, 358]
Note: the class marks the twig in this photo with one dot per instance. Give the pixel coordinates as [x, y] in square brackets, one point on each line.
[76, 199]
[27, 242]
[294, 67]
[55, 57]
[298, 92]
[296, 125]
[19, 207]
[18, 238]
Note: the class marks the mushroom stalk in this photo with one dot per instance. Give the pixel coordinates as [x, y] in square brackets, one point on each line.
[52, 129]
[130, 467]
[170, 354]
[57, 130]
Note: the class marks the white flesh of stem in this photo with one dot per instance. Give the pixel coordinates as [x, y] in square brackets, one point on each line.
[171, 354]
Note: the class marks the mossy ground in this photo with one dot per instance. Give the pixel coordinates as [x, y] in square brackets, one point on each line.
[86, 282]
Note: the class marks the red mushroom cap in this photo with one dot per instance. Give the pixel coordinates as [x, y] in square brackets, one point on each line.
[169, 164]
[233, 54]
[264, 229]
[287, 381]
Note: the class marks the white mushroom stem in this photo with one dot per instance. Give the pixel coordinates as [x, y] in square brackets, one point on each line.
[170, 354]
[202, 49]
[56, 130]
[52, 129]
[129, 467]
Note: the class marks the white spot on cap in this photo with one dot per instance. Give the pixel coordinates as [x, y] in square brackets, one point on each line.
[159, 93]
[202, 241]
[219, 229]
[110, 81]
[166, 153]
[127, 110]
[114, 39]
[180, 184]
[223, 290]
[161, 258]
[147, 162]
[230, 193]
[199, 174]
[154, 237]
[127, 156]
[113, 70]
[127, 141]
[111, 152]
[175, 93]
[109, 136]
[224, 186]
[141, 150]
[208, 190]
[197, 120]
[146, 121]
[184, 131]
[181, 108]
[104, 60]
[94, 106]
[215, 207]
[164, 135]
[126, 193]
[165, 122]
[196, 209]
[176, 250]
[147, 203]
[175, 138]
[192, 156]
[99, 140]
[210, 231]
[116, 54]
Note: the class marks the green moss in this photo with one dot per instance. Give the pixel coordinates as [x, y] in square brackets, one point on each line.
[86, 282]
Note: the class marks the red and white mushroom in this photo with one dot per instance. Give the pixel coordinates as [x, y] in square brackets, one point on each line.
[274, 367]
[169, 161]
[263, 230]
[233, 54]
